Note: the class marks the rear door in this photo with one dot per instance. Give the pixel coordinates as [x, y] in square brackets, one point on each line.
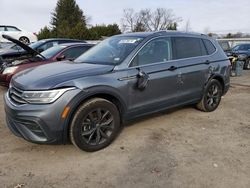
[153, 62]
[193, 67]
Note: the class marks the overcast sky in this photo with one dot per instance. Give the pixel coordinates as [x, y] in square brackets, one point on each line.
[221, 16]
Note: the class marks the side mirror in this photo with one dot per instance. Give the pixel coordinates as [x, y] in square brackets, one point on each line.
[60, 58]
[143, 79]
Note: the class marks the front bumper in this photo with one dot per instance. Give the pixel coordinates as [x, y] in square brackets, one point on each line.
[39, 123]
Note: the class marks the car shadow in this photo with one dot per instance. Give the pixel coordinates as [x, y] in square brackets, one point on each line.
[154, 115]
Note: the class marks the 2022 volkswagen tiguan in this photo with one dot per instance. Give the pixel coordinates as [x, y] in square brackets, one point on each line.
[124, 77]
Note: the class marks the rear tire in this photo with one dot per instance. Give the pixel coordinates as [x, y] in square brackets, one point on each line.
[24, 40]
[211, 97]
[95, 125]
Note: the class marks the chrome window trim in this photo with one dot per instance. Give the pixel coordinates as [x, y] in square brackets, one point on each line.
[173, 60]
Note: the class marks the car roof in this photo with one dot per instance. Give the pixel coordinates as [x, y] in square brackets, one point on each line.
[76, 44]
[62, 39]
[243, 44]
[7, 26]
[164, 32]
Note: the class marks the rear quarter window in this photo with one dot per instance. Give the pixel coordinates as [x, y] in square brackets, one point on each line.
[187, 47]
[209, 46]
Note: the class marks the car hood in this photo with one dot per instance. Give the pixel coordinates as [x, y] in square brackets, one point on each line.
[22, 45]
[51, 75]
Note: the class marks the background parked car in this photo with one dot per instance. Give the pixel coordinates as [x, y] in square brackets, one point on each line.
[21, 35]
[68, 51]
[242, 49]
[20, 50]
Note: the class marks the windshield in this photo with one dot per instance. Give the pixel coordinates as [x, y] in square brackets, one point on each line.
[16, 47]
[241, 47]
[52, 51]
[111, 51]
[36, 44]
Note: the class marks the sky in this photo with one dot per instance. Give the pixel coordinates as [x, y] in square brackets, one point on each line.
[219, 16]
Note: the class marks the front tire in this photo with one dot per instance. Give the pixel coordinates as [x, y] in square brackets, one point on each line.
[24, 40]
[211, 97]
[95, 125]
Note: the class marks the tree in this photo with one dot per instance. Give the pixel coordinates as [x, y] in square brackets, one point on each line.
[44, 33]
[148, 20]
[139, 27]
[229, 35]
[99, 31]
[66, 16]
[68, 21]
[173, 26]
[131, 21]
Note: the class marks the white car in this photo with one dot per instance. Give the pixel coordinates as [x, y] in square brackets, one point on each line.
[16, 33]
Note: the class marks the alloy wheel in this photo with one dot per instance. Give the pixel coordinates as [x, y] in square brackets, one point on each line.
[213, 96]
[97, 126]
[24, 40]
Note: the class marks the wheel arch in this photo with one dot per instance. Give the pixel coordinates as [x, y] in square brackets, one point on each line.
[22, 36]
[82, 97]
[219, 78]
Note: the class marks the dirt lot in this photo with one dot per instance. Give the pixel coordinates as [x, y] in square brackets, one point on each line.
[182, 148]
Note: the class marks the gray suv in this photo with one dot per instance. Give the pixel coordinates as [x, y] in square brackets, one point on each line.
[126, 76]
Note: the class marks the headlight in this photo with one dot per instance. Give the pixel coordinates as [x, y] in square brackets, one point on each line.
[44, 97]
[9, 70]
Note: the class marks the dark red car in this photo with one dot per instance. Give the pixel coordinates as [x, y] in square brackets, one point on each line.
[68, 51]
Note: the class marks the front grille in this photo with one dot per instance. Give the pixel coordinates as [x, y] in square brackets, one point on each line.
[16, 96]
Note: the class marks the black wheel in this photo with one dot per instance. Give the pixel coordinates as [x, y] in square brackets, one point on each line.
[95, 125]
[24, 40]
[211, 97]
[247, 64]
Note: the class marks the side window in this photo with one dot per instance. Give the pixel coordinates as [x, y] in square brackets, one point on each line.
[2, 28]
[209, 46]
[12, 29]
[248, 47]
[158, 50]
[75, 52]
[186, 47]
[242, 47]
[47, 46]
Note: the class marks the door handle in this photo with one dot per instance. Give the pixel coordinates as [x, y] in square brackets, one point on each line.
[172, 68]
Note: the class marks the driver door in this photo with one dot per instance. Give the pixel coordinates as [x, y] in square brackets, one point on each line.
[152, 67]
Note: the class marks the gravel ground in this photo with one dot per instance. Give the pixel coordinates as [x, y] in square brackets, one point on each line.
[181, 148]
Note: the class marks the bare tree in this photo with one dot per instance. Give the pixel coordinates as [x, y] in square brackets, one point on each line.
[131, 20]
[148, 20]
